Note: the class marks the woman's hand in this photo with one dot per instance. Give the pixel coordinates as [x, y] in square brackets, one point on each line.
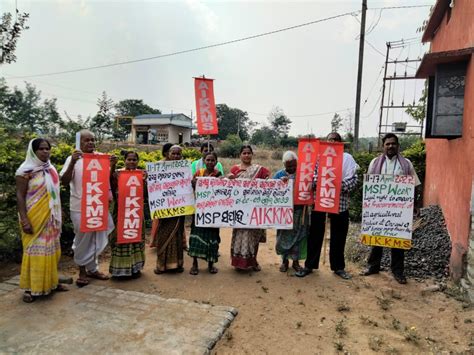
[26, 226]
[284, 178]
[231, 176]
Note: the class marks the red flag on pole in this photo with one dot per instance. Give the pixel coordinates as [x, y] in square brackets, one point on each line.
[329, 186]
[205, 106]
[95, 192]
[307, 155]
[130, 206]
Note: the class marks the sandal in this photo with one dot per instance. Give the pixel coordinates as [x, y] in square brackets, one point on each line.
[158, 272]
[97, 275]
[28, 297]
[284, 266]
[194, 270]
[81, 282]
[256, 268]
[180, 269]
[213, 270]
[296, 266]
[61, 288]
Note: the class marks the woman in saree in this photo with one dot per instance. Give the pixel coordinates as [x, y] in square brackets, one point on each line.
[244, 246]
[39, 210]
[170, 234]
[291, 243]
[127, 259]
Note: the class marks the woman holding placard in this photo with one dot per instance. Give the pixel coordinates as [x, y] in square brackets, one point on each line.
[39, 210]
[127, 259]
[244, 247]
[170, 234]
[291, 244]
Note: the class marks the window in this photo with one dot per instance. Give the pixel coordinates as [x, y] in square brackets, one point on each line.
[446, 101]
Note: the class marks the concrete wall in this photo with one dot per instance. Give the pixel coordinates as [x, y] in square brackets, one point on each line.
[450, 163]
[174, 132]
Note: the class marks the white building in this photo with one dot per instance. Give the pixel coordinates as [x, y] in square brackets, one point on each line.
[166, 128]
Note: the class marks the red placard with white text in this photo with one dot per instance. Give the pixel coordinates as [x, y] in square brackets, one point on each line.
[205, 106]
[329, 186]
[307, 156]
[95, 192]
[130, 206]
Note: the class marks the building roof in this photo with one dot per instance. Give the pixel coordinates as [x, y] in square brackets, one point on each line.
[431, 60]
[174, 119]
[437, 15]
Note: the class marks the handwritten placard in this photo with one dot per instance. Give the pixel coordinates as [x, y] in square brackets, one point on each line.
[387, 210]
[170, 192]
[244, 203]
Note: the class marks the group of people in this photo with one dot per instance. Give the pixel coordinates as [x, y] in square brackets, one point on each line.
[39, 207]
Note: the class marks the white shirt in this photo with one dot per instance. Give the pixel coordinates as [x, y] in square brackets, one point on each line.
[393, 167]
[75, 184]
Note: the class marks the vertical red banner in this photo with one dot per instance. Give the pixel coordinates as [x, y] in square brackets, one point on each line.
[95, 192]
[328, 190]
[205, 106]
[130, 206]
[307, 155]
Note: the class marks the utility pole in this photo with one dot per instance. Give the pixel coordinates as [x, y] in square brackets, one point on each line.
[359, 75]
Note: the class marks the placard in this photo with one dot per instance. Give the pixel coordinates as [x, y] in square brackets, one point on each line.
[387, 210]
[95, 192]
[170, 193]
[244, 203]
[130, 206]
[308, 149]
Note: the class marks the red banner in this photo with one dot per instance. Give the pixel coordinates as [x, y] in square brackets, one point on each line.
[307, 155]
[130, 206]
[95, 192]
[205, 106]
[329, 177]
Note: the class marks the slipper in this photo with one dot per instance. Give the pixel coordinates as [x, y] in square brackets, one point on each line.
[256, 268]
[28, 298]
[284, 267]
[296, 267]
[97, 275]
[80, 282]
[213, 270]
[158, 272]
[61, 288]
[194, 271]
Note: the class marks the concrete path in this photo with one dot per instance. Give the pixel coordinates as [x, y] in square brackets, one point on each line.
[100, 320]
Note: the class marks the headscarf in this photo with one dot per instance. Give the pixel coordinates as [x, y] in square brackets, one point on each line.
[33, 164]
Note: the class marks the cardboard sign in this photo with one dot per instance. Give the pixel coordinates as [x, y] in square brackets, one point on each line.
[387, 210]
[328, 190]
[308, 149]
[95, 192]
[130, 206]
[244, 203]
[170, 193]
[205, 106]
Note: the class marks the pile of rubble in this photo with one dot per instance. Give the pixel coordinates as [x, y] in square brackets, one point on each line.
[431, 248]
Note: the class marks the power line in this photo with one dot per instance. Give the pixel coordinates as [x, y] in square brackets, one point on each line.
[308, 115]
[191, 50]
[398, 7]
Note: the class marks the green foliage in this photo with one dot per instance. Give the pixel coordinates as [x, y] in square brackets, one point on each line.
[130, 108]
[279, 122]
[418, 111]
[265, 136]
[355, 204]
[232, 121]
[191, 154]
[102, 124]
[231, 147]
[336, 123]
[417, 155]
[289, 141]
[9, 33]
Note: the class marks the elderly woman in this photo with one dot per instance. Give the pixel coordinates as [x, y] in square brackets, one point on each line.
[292, 243]
[170, 234]
[244, 247]
[39, 209]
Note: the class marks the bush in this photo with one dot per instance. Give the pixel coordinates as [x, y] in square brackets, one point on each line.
[355, 203]
[191, 154]
[231, 147]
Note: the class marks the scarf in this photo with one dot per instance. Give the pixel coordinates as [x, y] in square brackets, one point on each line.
[33, 164]
[377, 167]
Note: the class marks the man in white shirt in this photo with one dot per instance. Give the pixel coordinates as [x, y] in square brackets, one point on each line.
[87, 246]
[390, 163]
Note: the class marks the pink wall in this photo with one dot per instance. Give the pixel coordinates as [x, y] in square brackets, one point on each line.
[450, 163]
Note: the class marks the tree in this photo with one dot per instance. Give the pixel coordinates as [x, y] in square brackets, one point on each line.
[265, 136]
[9, 34]
[418, 112]
[233, 121]
[279, 122]
[102, 124]
[24, 111]
[131, 108]
[336, 123]
[71, 126]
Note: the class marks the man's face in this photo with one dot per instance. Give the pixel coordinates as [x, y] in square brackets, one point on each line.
[390, 147]
[87, 143]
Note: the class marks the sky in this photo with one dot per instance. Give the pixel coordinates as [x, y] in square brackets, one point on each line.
[309, 72]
